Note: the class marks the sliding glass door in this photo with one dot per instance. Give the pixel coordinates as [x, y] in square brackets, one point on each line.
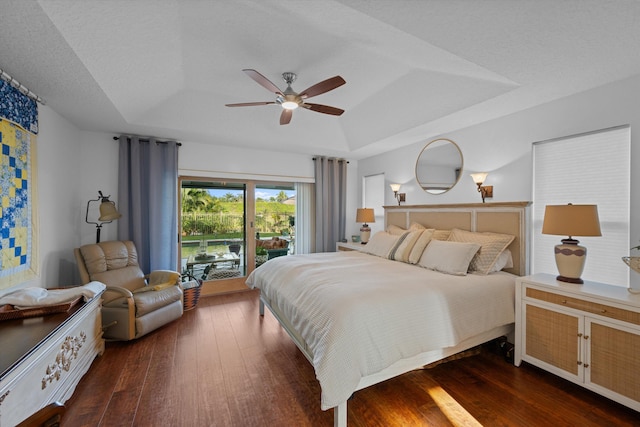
[228, 228]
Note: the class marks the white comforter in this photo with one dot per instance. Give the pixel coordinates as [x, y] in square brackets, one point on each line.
[359, 313]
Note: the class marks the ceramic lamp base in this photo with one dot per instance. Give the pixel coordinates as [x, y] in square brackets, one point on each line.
[365, 233]
[570, 259]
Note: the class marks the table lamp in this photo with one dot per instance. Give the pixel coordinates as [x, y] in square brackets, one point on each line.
[571, 220]
[365, 215]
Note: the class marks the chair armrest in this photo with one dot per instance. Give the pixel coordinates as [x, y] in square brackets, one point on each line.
[109, 292]
[162, 276]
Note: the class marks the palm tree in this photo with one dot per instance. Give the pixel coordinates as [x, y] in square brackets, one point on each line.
[194, 199]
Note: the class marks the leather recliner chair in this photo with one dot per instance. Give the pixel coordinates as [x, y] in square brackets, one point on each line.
[133, 304]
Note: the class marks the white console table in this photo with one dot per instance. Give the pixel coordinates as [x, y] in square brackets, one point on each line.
[42, 359]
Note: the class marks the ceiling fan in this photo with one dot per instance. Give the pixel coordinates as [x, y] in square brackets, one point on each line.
[289, 100]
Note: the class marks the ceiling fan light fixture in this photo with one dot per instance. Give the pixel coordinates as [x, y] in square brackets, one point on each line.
[289, 105]
[289, 99]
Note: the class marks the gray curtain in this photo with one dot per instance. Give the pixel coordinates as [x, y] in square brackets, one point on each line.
[148, 200]
[331, 198]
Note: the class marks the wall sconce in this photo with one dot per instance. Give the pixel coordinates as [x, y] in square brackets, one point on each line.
[108, 213]
[400, 197]
[487, 190]
[365, 215]
[571, 220]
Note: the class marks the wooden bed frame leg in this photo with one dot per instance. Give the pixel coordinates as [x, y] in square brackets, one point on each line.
[340, 415]
[261, 308]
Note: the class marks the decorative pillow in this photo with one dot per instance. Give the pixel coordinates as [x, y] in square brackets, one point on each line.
[416, 226]
[505, 260]
[381, 244]
[492, 245]
[404, 245]
[158, 287]
[421, 243]
[448, 257]
[395, 230]
[441, 234]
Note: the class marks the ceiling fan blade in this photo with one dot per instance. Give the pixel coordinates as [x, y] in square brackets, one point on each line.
[249, 104]
[263, 81]
[285, 117]
[323, 109]
[322, 87]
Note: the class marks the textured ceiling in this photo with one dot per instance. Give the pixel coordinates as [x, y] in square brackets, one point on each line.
[414, 69]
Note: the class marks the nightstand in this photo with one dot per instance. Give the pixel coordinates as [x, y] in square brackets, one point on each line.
[348, 246]
[588, 334]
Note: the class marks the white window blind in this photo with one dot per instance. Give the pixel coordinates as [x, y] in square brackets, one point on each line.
[373, 195]
[592, 168]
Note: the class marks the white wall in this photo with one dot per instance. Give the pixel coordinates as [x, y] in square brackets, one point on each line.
[235, 162]
[503, 148]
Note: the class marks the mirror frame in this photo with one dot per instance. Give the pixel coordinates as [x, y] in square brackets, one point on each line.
[435, 193]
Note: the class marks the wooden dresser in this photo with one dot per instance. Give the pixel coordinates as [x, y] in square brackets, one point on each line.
[42, 359]
[588, 334]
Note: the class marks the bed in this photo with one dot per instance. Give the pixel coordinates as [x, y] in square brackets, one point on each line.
[363, 318]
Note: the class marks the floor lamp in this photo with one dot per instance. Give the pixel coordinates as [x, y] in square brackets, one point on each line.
[108, 213]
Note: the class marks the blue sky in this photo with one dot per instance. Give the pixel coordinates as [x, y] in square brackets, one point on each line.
[263, 193]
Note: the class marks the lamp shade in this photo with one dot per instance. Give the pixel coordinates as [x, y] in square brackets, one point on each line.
[365, 215]
[479, 177]
[108, 211]
[395, 187]
[571, 220]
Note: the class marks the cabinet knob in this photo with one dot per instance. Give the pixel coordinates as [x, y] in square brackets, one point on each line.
[579, 363]
[586, 365]
[586, 337]
[579, 334]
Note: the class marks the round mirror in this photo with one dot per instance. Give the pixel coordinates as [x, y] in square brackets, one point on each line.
[439, 166]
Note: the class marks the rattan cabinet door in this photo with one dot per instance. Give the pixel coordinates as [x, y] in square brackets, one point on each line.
[613, 360]
[553, 338]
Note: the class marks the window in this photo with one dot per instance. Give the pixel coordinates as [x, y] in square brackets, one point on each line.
[373, 195]
[591, 168]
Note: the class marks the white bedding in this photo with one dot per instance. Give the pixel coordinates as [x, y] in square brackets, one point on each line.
[359, 313]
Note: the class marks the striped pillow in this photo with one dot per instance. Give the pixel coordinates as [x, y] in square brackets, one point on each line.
[404, 245]
[420, 245]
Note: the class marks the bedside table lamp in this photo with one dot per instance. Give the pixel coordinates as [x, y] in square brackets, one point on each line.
[571, 220]
[365, 215]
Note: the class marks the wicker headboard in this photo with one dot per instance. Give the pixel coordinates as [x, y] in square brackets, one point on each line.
[508, 218]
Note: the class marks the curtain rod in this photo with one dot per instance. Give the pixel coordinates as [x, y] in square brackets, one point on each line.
[22, 88]
[179, 144]
[333, 158]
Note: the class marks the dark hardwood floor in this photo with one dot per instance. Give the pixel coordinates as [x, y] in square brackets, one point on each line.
[223, 365]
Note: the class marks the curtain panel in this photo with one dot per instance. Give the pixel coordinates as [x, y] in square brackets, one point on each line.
[331, 199]
[148, 200]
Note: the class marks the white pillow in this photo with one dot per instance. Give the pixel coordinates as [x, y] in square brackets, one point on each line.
[448, 257]
[395, 230]
[505, 260]
[381, 244]
[441, 234]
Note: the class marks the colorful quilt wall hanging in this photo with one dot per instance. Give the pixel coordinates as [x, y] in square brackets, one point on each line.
[18, 197]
